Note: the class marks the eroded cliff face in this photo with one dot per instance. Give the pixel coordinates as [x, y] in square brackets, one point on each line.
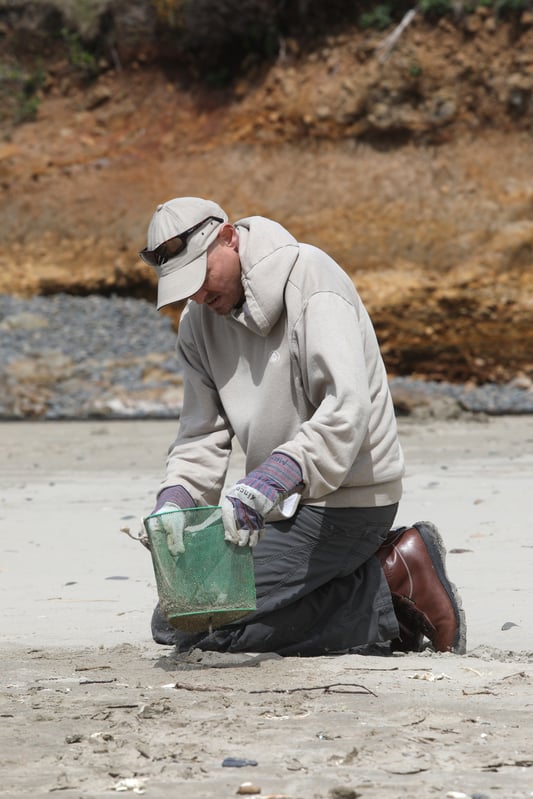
[414, 170]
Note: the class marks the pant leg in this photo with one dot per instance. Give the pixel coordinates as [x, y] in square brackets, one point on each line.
[319, 588]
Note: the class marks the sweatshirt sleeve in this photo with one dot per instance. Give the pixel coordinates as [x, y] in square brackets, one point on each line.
[198, 459]
[336, 365]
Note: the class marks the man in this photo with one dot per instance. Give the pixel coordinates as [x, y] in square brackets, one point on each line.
[278, 352]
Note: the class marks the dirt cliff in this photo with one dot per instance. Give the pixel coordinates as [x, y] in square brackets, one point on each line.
[411, 166]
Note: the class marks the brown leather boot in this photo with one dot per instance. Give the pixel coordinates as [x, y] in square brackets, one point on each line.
[426, 603]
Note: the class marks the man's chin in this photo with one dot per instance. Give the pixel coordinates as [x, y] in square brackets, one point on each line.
[222, 307]
[220, 310]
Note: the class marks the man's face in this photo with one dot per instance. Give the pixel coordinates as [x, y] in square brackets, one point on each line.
[222, 289]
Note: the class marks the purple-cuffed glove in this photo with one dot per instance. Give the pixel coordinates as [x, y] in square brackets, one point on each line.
[173, 524]
[174, 495]
[252, 498]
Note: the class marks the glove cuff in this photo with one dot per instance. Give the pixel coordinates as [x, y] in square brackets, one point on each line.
[285, 471]
[177, 495]
[277, 477]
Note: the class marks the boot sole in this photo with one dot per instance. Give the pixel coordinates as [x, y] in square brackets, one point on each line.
[437, 552]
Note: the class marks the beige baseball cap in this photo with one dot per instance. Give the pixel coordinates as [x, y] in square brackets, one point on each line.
[186, 226]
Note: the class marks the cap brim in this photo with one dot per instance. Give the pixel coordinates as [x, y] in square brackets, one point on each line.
[183, 282]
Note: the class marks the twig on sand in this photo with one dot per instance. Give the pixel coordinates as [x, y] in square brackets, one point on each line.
[182, 687]
[332, 688]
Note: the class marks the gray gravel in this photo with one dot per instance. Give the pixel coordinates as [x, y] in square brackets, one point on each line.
[489, 398]
[81, 357]
[82, 327]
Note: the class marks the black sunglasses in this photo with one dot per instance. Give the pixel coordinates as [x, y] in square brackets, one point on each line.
[172, 247]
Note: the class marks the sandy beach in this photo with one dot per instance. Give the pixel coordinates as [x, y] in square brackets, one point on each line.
[91, 707]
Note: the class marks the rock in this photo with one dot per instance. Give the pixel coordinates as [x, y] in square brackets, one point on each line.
[248, 788]
[43, 368]
[23, 321]
[443, 108]
[342, 792]
[73, 739]
[97, 97]
[522, 381]
[472, 23]
[418, 402]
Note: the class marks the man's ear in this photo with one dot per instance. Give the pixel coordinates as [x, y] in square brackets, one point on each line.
[228, 235]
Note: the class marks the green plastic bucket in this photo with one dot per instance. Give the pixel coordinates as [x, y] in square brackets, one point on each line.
[210, 583]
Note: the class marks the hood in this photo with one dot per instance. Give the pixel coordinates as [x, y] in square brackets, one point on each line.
[267, 253]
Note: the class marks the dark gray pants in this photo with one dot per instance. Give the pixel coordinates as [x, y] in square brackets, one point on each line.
[319, 588]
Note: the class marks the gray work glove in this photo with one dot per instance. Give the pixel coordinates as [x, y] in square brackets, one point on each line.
[251, 499]
[172, 524]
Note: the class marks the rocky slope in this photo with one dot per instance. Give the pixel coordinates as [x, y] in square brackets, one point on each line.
[411, 166]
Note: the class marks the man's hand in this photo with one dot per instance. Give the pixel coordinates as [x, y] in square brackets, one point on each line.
[248, 502]
[172, 524]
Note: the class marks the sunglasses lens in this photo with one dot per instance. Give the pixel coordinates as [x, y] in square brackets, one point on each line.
[169, 249]
[173, 247]
[149, 257]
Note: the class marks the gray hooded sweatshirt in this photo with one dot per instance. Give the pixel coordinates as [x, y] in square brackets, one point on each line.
[296, 369]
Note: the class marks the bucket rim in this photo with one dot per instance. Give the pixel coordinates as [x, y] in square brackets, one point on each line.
[183, 510]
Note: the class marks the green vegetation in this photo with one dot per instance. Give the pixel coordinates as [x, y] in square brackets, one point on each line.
[382, 15]
[379, 17]
[435, 8]
[78, 56]
[511, 6]
[20, 92]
